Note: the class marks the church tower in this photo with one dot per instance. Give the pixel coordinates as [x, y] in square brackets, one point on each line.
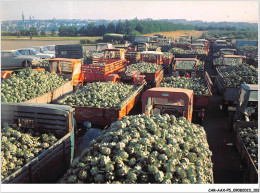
[22, 16]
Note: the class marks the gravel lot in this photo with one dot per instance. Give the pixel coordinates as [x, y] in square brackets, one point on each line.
[16, 44]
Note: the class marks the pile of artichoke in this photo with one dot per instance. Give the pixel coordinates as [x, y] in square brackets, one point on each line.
[19, 146]
[177, 51]
[29, 84]
[183, 64]
[250, 139]
[100, 95]
[200, 65]
[198, 85]
[145, 149]
[167, 55]
[90, 56]
[227, 61]
[234, 76]
[183, 43]
[249, 49]
[40, 63]
[182, 51]
[144, 67]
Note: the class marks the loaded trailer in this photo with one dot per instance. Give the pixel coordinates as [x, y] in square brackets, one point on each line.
[201, 100]
[104, 115]
[251, 170]
[51, 163]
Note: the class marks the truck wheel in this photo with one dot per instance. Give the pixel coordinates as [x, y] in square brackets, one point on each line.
[27, 64]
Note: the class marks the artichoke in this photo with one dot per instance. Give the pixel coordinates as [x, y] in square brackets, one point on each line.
[28, 84]
[18, 152]
[100, 95]
[155, 158]
[198, 85]
[144, 67]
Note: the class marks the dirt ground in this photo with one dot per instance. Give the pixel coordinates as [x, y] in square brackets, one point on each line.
[16, 44]
[177, 34]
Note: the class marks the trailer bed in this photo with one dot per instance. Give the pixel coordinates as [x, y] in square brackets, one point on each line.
[52, 163]
[251, 172]
[228, 93]
[54, 95]
[106, 116]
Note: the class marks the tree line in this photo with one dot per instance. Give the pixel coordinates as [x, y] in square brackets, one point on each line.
[128, 27]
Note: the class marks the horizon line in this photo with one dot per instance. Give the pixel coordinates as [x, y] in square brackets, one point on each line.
[253, 22]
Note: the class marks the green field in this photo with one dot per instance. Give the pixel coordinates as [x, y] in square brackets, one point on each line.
[52, 38]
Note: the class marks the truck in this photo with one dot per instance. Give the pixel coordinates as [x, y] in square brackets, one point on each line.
[248, 165]
[153, 79]
[133, 51]
[247, 107]
[102, 69]
[227, 60]
[219, 44]
[229, 94]
[68, 68]
[106, 116]
[226, 51]
[201, 101]
[151, 57]
[173, 101]
[185, 66]
[50, 165]
[202, 41]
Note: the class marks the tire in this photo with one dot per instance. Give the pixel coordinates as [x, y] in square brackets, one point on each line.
[27, 65]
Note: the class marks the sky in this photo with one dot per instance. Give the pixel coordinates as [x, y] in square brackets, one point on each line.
[231, 11]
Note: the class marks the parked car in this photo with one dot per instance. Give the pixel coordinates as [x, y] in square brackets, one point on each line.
[51, 47]
[43, 49]
[34, 52]
[11, 59]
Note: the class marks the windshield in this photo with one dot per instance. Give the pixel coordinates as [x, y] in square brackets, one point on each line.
[35, 51]
[45, 49]
[169, 101]
[16, 53]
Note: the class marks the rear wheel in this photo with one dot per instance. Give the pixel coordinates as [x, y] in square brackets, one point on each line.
[27, 64]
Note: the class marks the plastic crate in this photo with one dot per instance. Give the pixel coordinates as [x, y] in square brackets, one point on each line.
[51, 164]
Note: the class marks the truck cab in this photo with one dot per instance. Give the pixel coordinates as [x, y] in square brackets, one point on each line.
[102, 46]
[227, 51]
[202, 41]
[114, 53]
[138, 47]
[152, 57]
[185, 66]
[221, 42]
[173, 101]
[228, 59]
[68, 68]
[247, 108]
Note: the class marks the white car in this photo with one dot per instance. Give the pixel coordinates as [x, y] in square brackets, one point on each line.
[12, 59]
[34, 52]
[43, 49]
[51, 48]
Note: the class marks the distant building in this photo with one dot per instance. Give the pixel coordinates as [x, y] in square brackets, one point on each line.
[22, 17]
